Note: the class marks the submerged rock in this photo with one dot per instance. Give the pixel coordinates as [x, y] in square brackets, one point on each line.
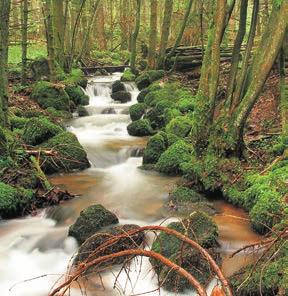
[108, 110]
[136, 111]
[121, 96]
[97, 239]
[90, 221]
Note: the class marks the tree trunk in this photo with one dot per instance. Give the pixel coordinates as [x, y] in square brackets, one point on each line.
[153, 34]
[184, 23]
[134, 37]
[123, 24]
[101, 28]
[262, 63]
[24, 31]
[165, 33]
[5, 6]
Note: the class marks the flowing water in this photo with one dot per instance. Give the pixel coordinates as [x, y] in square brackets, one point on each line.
[35, 251]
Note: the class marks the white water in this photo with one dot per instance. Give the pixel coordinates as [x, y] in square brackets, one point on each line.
[38, 248]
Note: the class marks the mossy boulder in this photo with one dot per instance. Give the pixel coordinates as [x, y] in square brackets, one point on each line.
[77, 95]
[186, 105]
[136, 111]
[155, 147]
[58, 115]
[179, 126]
[47, 94]
[199, 227]
[99, 238]
[40, 68]
[13, 201]
[91, 220]
[171, 160]
[185, 194]
[39, 130]
[128, 75]
[170, 114]
[82, 111]
[146, 78]
[68, 154]
[140, 128]
[118, 86]
[121, 96]
[18, 122]
[141, 96]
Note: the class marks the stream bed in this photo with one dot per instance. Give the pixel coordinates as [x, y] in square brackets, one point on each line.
[37, 249]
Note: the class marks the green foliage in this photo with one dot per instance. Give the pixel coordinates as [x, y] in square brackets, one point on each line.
[155, 147]
[13, 200]
[170, 113]
[39, 130]
[179, 126]
[69, 154]
[128, 75]
[186, 104]
[58, 115]
[17, 122]
[50, 95]
[3, 141]
[140, 128]
[170, 161]
[34, 51]
[185, 194]
[148, 77]
[136, 111]
[75, 78]
[142, 95]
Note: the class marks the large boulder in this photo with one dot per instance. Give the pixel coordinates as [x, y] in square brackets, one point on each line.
[90, 221]
[77, 95]
[179, 126]
[118, 86]
[199, 227]
[68, 154]
[93, 242]
[148, 77]
[140, 128]
[136, 111]
[141, 96]
[47, 94]
[13, 201]
[121, 96]
[39, 130]
[82, 111]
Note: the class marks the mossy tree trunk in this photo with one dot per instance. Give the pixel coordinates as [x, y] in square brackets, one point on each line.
[134, 37]
[24, 43]
[165, 33]
[123, 5]
[5, 6]
[152, 34]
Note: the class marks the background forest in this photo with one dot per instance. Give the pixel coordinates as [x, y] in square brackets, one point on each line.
[212, 110]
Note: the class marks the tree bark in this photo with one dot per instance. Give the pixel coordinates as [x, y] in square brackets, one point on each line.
[134, 37]
[165, 33]
[5, 6]
[101, 28]
[24, 31]
[153, 34]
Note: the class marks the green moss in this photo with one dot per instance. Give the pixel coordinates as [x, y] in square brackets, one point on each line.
[155, 147]
[76, 77]
[47, 94]
[136, 111]
[141, 96]
[3, 142]
[128, 75]
[140, 128]
[77, 95]
[171, 113]
[185, 194]
[18, 122]
[69, 154]
[171, 160]
[58, 115]
[39, 130]
[148, 77]
[179, 126]
[13, 201]
[186, 105]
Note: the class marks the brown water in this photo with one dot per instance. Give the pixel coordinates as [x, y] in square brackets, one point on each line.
[39, 245]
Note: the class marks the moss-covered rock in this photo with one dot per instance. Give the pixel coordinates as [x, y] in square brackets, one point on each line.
[199, 227]
[13, 201]
[141, 96]
[171, 160]
[58, 115]
[99, 238]
[136, 111]
[82, 111]
[179, 126]
[18, 122]
[68, 154]
[90, 221]
[128, 75]
[186, 105]
[146, 78]
[155, 147]
[118, 86]
[170, 114]
[140, 128]
[76, 77]
[47, 94]
[39, 130]
[121, 96]
[185, 194]
[40, 68]
[77, 95]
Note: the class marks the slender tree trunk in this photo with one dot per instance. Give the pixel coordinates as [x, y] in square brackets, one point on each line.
[262, 63]
[153, 34]
[165, 33]
[134, 37]
[184, 23]
[5, 6]
[24, 31]
[101, 28]
[237, 49]
[123, 24]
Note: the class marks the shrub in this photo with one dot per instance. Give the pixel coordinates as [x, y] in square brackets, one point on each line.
[39, 130]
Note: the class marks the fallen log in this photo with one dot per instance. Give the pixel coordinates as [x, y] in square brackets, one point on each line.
[109, 69]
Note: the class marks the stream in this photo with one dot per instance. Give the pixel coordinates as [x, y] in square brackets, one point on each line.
[35, 251]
